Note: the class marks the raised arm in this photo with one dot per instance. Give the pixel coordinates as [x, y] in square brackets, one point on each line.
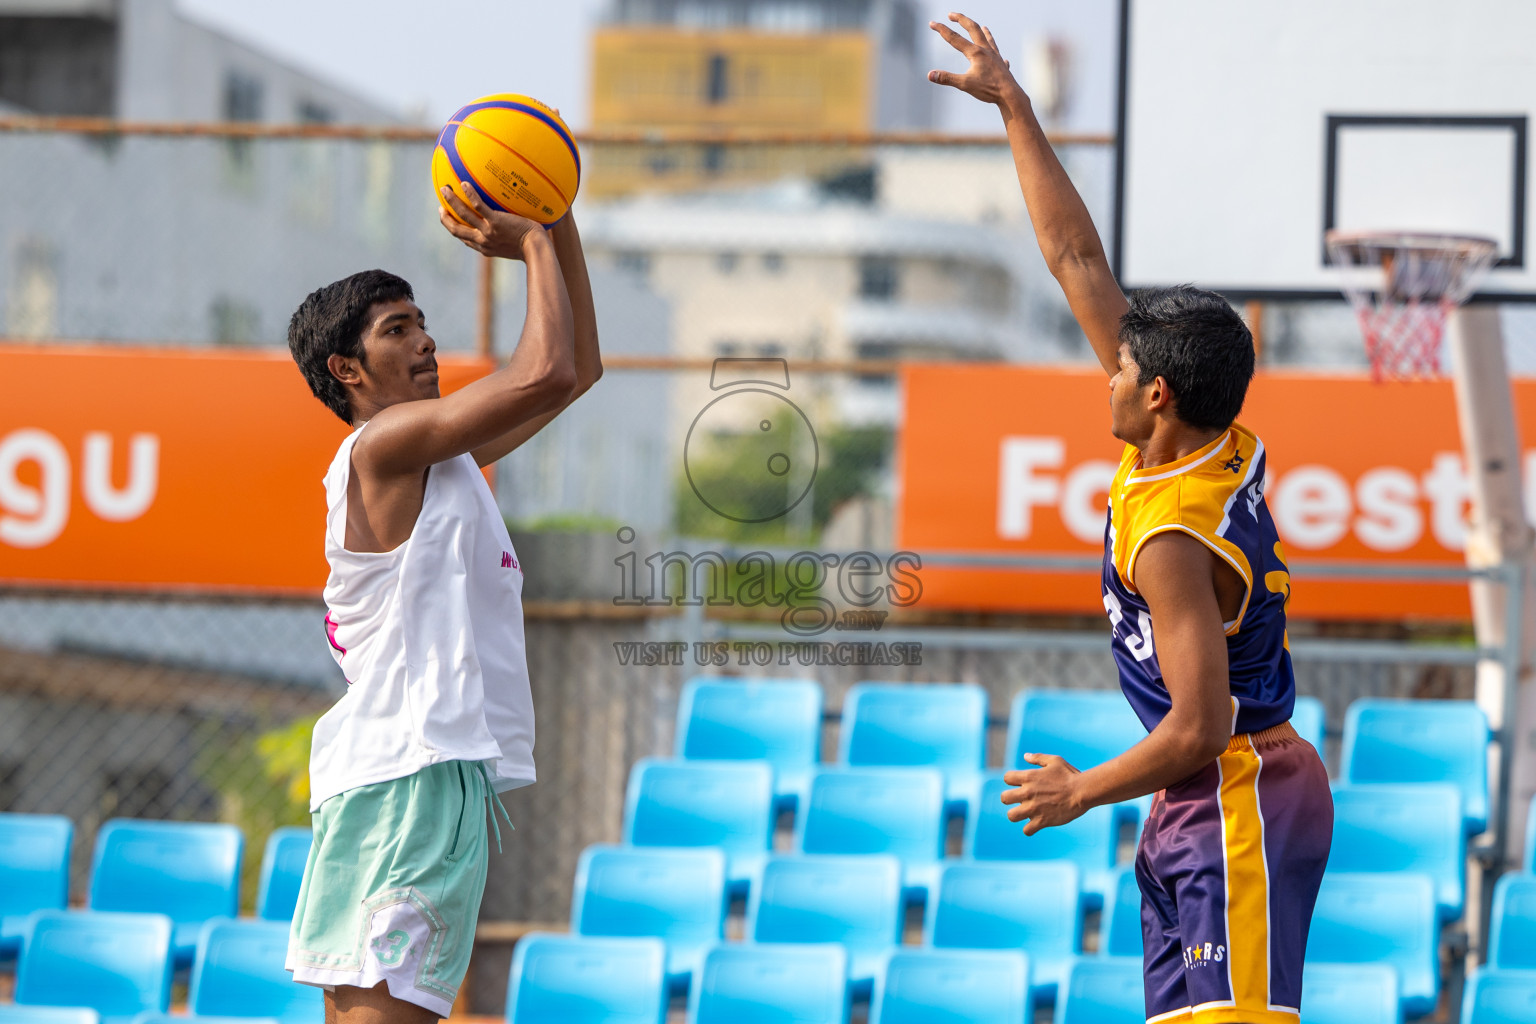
[404, 439]
[1065, 231]
[588, 360]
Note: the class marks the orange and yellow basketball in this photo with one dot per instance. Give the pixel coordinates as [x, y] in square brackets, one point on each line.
[516, 153]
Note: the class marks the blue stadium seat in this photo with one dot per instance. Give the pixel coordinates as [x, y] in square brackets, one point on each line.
[953, 986]
[775, 720]
[676, 895]
[1120, 930]
[579, 980]
[728, 804]
[34, 871]
[897, 811]
[1087, 727]
[855, 901]
[1499, 997]
[1530, 839]
[1034, 907]
[1406, 827]
[771, 984]
[282, 869]
[189, 871]
[1512, 940]
[48, 1015]
[117, 964]
[933, 725]
[1350, 994]
[1420, 741]
[1309, 721]
[1103, 990]
[1381, 918]
[1090, 841]
[239, 972]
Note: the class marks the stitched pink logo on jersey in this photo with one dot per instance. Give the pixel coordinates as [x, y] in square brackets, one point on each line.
[330, 633]
[508, 562]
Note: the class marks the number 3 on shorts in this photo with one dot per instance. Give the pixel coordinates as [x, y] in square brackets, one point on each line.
[388, 949]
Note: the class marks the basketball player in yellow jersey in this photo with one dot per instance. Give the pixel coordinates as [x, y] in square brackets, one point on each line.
[1195, 586]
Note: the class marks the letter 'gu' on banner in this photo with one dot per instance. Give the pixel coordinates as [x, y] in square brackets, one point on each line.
[161, 469]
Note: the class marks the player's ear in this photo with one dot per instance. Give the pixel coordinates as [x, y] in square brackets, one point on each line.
[345, 368]
[1159, 394]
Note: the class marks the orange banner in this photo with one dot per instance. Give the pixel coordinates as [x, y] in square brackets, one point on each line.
[160, 468]
[1017, 460]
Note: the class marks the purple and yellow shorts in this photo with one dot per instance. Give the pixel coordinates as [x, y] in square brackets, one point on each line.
[1229, 865]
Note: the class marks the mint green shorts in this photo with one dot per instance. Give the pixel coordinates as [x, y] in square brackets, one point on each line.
[392, 888]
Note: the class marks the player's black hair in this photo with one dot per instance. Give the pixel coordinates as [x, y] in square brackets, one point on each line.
[1197, 343]
[331, 321]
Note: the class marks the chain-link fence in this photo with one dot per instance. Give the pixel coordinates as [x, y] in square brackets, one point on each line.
[214, 726]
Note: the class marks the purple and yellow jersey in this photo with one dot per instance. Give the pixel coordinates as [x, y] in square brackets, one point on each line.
[1215, 495]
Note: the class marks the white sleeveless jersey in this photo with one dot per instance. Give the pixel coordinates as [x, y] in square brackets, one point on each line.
[430, 639]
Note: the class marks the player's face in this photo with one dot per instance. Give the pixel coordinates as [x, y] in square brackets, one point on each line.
[401, 355]
[1129, 419]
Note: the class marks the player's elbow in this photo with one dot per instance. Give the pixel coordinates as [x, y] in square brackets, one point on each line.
[559, 379]
[1075, 257]
[1212, 742]
[1201, 740]
[553, 385]
[591, 376]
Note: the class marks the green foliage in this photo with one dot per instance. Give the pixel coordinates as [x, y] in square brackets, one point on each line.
[850, 460]
[262, 779]
[564, 522]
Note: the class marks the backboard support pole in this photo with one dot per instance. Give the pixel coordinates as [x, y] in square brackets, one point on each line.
[1499, 536]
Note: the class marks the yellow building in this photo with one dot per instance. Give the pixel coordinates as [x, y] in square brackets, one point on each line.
[747, 67]
[649, 77]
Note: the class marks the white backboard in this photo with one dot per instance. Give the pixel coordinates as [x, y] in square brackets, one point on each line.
[1247, 130]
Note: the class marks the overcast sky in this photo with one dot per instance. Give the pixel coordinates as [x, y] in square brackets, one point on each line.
[426, 58]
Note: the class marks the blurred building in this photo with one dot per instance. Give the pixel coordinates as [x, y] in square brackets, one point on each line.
[816, 271]
[733, 66]
[143, 60]
[188, 239]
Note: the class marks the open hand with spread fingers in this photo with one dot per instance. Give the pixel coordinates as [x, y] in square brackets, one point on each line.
[487, 231]
[988, 78]
[1045, 795]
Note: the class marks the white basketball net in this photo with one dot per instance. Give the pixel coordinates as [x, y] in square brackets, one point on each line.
[1403, 288]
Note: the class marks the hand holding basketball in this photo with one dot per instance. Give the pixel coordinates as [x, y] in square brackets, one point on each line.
[988, 78]
[1046, 795]
[488, 232]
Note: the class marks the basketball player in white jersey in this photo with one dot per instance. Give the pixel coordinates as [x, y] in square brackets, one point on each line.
[425, 619]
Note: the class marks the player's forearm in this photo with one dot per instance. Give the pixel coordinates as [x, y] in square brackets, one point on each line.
[1065, 231]
[1063, 226]
[546, 349]
[578, 286]
[571, 366]
[1171, 753]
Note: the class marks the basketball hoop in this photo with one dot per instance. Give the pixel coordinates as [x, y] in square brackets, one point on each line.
[1403, 287]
